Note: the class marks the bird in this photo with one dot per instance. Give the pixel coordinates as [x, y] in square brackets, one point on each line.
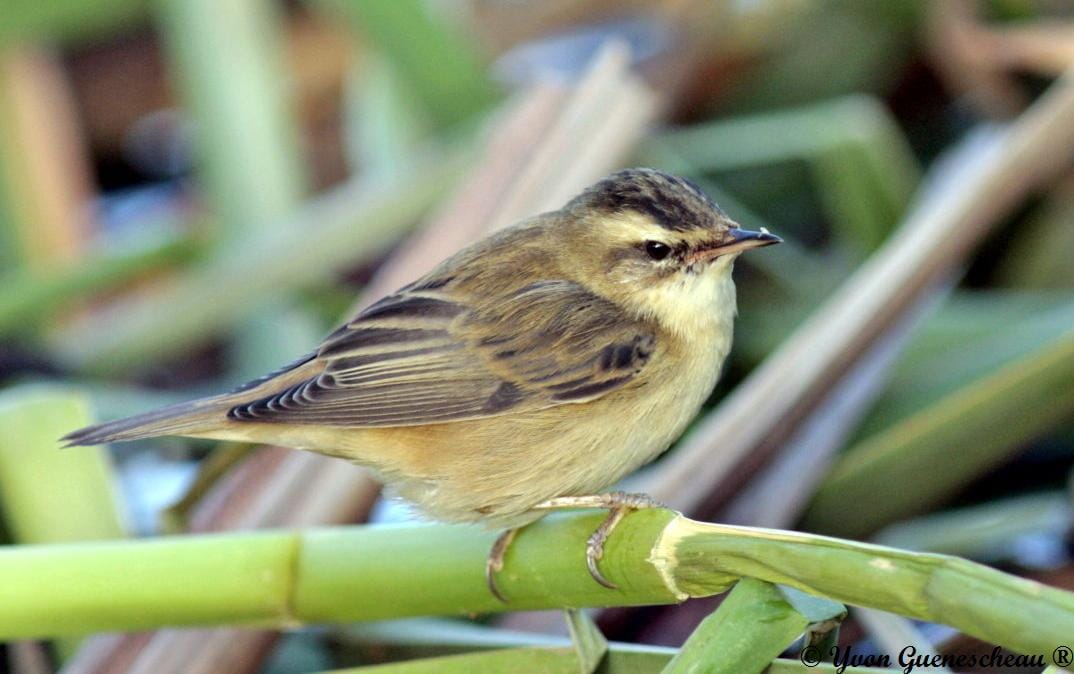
[526, 373]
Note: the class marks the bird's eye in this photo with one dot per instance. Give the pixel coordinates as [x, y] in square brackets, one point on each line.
[657, 250]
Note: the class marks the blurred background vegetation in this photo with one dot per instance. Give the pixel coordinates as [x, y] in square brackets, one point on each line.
[193, 192]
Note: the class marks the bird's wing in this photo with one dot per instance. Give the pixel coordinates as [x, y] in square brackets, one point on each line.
[425, 355]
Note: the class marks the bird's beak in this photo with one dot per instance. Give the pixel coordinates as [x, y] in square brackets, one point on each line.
[743, 239]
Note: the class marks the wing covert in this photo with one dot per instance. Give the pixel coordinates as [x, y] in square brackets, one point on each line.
[426, 355]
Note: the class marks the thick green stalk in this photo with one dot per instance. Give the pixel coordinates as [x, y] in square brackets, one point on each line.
[106, 586]
[545, 569]
[373, 573]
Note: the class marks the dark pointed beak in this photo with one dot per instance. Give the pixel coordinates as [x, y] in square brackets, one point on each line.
[742, 239]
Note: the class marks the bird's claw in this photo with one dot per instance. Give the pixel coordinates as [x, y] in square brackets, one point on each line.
[494, 562]
[594, 552]
[619, 504]
[490, 579]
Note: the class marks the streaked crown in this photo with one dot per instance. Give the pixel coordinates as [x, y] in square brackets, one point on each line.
[672, 202]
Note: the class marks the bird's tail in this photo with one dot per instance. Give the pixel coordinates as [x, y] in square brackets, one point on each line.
[190, 418]
[205, 417]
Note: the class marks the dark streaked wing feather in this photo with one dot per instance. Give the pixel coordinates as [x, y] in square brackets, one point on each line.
[423, 356]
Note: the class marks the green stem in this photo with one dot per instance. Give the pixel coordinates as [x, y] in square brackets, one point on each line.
[746, 633]
[1022, 615]
[373, 573]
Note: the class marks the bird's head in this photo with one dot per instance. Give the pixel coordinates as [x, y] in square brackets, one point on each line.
[656, 243]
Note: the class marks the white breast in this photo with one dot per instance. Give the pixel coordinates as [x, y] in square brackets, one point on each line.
[703, 318]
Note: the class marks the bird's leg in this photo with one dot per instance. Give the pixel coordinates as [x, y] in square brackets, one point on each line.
[618, 503]
[494, 563]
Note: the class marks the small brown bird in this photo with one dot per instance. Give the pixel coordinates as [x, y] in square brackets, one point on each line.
[528, 372]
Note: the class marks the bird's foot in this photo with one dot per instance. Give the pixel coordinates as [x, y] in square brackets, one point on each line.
[619, 505]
